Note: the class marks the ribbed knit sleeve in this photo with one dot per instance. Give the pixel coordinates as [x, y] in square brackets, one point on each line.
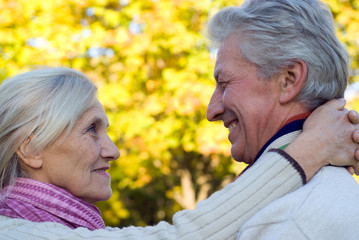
[218, 217]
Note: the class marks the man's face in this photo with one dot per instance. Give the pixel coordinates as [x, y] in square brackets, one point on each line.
[245, 103]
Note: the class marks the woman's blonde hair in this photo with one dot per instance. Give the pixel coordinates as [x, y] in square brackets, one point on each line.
[41, 103]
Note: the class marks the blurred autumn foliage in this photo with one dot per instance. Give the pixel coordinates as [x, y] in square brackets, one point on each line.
[153, 68]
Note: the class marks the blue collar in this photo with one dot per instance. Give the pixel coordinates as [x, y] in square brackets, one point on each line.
[288, 128]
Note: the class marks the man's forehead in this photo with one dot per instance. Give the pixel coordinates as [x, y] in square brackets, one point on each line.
[230, 63]
[217, 70]
[221, 54]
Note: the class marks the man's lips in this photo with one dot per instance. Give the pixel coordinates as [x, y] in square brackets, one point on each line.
[231, 124]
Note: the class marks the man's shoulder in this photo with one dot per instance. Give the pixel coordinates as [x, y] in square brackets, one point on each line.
[331, 188]
[332, 178]
[316, 209]
[330, 191]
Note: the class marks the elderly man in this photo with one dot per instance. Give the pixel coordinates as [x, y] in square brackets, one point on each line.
[277, 61]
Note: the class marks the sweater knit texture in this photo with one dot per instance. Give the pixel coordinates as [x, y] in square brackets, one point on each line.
[218, 217]
[273, 175]
[326, 208]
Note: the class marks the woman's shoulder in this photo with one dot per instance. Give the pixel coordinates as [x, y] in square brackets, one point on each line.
[14, 228]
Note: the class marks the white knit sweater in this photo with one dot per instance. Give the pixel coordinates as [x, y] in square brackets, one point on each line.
[218, 217]
[326, 208]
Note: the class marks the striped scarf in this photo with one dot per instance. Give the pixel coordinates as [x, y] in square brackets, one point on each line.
[42, 202]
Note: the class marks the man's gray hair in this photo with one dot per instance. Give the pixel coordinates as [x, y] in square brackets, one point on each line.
[42, 104]
[273, 34]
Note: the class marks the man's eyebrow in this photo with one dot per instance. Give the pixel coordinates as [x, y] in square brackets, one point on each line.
[215, 75]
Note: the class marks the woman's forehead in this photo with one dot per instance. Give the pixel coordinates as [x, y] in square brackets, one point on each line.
[95, 113]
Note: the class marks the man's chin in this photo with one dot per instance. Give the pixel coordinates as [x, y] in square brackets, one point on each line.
[236, 156]
[240, 158]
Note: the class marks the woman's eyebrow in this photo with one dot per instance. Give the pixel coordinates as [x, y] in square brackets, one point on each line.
[98, 120]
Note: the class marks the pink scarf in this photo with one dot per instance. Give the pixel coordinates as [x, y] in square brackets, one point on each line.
[42, 202]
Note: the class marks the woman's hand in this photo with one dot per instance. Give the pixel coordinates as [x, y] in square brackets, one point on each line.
[354, 118]
[330, 136]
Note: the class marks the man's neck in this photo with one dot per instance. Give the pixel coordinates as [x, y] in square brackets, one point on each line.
[291, 128]
[286, 134]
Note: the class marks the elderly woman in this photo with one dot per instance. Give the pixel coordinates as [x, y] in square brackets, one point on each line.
[55, 150]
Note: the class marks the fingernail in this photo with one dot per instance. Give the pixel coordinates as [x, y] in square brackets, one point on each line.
[355, 113]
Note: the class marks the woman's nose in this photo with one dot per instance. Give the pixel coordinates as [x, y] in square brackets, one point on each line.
[109, 150]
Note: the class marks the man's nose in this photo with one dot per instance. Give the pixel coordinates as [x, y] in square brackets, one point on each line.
[215, 107]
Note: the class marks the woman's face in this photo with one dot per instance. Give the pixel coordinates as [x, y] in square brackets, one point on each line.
[78, 162]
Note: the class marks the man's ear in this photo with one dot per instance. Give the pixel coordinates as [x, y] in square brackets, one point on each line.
[292, 80]
[32, 160]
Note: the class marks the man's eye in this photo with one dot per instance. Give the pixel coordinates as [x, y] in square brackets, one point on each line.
[222, 84]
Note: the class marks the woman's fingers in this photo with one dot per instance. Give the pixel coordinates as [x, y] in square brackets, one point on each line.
[353, 116]
[351, 170]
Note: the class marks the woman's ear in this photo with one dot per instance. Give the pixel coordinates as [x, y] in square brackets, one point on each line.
[293, 81]
[29, 158]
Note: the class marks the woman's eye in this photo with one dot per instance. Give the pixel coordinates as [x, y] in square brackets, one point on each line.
[92, 128]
